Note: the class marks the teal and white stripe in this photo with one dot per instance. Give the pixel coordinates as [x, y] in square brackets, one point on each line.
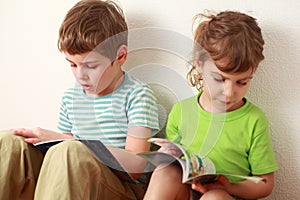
[108, 118]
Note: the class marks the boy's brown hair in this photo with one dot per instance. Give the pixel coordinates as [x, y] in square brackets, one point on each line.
[93, 25]
[233, 40]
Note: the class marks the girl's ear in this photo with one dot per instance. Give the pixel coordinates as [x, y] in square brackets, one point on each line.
[122, 54]
[199, 65]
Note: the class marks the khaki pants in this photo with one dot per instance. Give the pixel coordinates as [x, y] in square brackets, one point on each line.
[19, 167]
[68, 171]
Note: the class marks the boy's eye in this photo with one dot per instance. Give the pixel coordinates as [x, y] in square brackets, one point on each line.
[218, 79]
[73, 65]
[92, 66]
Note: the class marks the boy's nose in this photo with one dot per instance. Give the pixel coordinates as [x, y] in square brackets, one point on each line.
[81, 74]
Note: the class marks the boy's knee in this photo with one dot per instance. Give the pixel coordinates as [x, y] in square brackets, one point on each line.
[171, 171]
[66, 147]
[6, 135]
[68, 150]
[70, 154]
[10, 141]
[216, 195]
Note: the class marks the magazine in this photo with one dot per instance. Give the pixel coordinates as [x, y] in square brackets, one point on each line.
[194, 167]
[45, 145]
[99, 150]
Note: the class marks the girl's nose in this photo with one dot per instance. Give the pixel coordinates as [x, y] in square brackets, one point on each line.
[229, 89]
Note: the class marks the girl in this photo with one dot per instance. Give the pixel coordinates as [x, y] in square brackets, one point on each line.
[219, 122]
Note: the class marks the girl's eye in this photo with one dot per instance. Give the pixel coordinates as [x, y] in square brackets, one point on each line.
[243, 83]
[73, 65]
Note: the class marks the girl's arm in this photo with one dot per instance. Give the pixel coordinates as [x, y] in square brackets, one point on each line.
[250, 190]
[245, 189]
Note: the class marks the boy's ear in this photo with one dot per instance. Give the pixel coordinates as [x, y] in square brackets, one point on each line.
[122, 54]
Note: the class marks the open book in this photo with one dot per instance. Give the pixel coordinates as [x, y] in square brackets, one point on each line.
[194, 167]
[99, 150]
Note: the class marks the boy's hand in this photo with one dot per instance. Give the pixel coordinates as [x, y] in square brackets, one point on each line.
[37, 135]
[221, 183]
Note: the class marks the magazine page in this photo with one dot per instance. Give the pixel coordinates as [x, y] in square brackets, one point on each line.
[167, 154]
[207, 174]
[156, 158]
[102, 153]
[193, 166]
[203, 170]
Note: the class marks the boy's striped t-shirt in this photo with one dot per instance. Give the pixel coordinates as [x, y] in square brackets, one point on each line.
[107, 118]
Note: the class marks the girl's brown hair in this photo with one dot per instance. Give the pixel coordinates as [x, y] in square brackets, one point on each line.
[232, 40]
[91, 23]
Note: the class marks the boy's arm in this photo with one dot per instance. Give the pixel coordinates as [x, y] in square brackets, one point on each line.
[136, 142]
[37, 135]
[137, 139]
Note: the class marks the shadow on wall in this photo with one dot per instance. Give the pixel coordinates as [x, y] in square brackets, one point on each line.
[159, 57]
[273, 89]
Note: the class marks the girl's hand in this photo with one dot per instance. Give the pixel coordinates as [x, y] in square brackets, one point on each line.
[170, 149]
[222, 183]
[37, 135]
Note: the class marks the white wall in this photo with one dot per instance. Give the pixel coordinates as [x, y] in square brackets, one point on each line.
[34, 74]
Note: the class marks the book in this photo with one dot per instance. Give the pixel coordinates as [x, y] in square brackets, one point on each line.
[100, 152]
[194, 167]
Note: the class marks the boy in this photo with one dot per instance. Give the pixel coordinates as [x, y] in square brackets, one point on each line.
[220, 122]
[106, 104]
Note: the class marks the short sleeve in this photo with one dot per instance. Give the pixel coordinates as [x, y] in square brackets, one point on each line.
[261, 154]
[64, 123]
[142, 108]
[173, 123]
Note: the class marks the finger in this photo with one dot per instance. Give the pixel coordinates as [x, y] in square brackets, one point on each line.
[222, 180]
[162, 144]
[199, 187]
[17, 130]
[27, 133]
[32, 140]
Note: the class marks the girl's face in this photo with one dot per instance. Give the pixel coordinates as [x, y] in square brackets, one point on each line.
[223, 92]
[96, 73]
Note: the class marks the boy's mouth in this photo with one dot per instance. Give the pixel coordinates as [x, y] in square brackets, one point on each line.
[86, 87]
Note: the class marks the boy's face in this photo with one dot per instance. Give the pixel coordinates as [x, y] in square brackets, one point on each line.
[97, 75]
[223, 92]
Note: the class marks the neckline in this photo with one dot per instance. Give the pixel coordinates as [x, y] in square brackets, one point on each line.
[225, 116]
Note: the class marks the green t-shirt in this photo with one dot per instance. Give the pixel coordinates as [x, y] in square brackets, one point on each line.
[238, 142]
